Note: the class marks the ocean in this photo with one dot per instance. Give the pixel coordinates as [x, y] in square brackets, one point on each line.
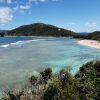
[22, 56]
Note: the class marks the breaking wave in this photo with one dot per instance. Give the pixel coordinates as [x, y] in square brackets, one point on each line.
[19, 43]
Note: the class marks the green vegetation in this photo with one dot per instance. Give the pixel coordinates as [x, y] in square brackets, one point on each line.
[85, 85]
[40, 29]
[93, 36]
[2, 34]
[89, 81]
[63, 87]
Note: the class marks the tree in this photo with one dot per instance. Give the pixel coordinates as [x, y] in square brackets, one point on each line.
[33, 80]
[2, 34]
[62, 87]
[89, 81]
[46, 75]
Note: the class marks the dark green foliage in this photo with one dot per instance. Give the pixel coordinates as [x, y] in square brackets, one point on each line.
[12, 96]
[40, 29]
[51, 92]
[79, 36]
[89, 81]
[85, 85]
[33, 80]
[62, 88]
[65, 78]
[93, 36]
[2, 34]
[46, 74]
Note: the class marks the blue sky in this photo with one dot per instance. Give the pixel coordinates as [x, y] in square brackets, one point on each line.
[75, 15]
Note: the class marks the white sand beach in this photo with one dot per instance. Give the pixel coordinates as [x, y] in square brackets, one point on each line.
[91, 43]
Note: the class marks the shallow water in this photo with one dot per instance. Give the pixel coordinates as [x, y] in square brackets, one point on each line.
[21, 56]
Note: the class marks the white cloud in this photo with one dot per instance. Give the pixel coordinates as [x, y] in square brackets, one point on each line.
[38, 0]
[92, 24]
[5, 15]
[6, 1]
[9, 1]
[24, 7]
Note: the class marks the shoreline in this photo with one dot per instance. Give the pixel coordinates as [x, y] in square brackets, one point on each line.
[90, 43]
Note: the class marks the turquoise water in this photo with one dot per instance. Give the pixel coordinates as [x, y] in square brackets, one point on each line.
[19, 58]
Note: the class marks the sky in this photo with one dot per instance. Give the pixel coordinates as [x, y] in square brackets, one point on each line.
[75, 15]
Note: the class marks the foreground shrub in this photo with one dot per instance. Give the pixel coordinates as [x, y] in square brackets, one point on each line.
[89, 81]
[62, 88]
[85, 85]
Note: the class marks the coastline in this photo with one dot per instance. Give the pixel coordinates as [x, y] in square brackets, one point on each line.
[40, 36]
[90, 43]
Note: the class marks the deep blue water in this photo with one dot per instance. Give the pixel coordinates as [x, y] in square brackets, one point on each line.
[6, 40]
[21, 56]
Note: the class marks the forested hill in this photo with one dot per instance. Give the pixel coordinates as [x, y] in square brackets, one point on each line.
[93, 36]
[40, 29]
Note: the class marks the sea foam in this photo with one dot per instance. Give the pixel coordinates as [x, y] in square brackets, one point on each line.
[19, 43]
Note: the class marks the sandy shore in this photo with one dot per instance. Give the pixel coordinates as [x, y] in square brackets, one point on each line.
[91, 43]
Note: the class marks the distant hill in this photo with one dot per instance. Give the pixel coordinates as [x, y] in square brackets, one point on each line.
[3, 31]
[94, 36]
[83, 33]
[40, 29]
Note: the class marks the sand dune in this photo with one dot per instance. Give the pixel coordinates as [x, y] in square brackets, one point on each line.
[91, 43]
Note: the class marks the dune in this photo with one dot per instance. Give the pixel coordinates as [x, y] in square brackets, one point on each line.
[90, 43]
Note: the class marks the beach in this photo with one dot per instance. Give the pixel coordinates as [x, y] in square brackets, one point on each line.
[90, 43]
